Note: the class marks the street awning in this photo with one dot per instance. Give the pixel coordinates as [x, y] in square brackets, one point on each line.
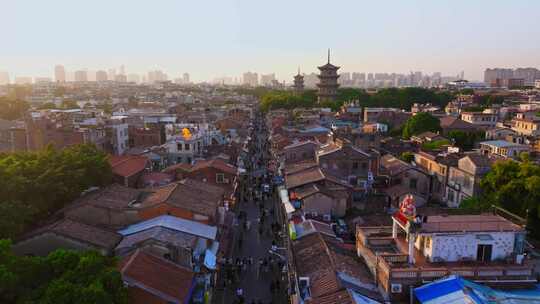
[284, 195]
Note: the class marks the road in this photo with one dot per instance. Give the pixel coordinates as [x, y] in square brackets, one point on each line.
[259, 284]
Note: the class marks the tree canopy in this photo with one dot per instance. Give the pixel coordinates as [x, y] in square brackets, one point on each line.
[62, 277]
[514, 186]
[465, 140]
[402, 98]
[34, 184]
[419, 123]
[12, 109]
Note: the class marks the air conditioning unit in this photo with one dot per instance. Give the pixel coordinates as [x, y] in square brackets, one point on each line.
[327, 217]
[396, 288]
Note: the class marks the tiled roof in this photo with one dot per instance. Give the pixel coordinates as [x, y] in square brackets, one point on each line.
[181, 166]
[304, 177]
[174, 223]
[157, 276]
[158, 233]
[297, 167]
[111, 197]
[454, 122]
[127, 165]
[196, 196]
[393, 165]
[215, 163]
[83, 233]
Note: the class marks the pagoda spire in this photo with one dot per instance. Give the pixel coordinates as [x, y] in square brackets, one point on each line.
[328, 56]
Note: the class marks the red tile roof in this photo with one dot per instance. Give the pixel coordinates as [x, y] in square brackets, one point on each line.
[217, 163]
[157, 276]
[127, 165]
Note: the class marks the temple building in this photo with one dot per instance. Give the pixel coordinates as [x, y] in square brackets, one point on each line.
[328, 81]
[298, 83]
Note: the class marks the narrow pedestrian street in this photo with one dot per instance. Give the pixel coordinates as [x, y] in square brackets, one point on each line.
[253, 273]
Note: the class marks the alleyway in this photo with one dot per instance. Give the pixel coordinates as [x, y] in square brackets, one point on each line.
[260, 282]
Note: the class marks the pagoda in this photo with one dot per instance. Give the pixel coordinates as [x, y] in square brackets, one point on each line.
[298, 83]
[328, 81]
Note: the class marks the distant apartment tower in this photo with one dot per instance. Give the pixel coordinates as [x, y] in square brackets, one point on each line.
[81, 76]
[120, 78]
[529, 75]
[185, 78]
[101, 76]
[59, 73]
[23, 80]
[268, 80]
[133, 78]
[298, 83]
[251, 79]
[328, 81]
[4, 78]
[497, 75]
[156, 76]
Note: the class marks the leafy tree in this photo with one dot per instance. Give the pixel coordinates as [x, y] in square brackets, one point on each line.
[12, 109]
[47, 105]
[70, 104]
[61, 277]
[419, 123]
[514, 186]
[34, 184]
[435, 145]
[407, 157]
[465, 140]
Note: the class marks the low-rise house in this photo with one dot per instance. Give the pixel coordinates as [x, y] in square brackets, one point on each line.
[67, 234]
[322, 200]
[328, 272]
[188, 199]
[181, 241]
[128, 169]
[451, 123]
[346, 162]
[464, 179]
[527, 126]
[404, 179]
[300, 151]
[502, 148]
[480, 119]
[427, 137]
[152, 279]
[499, 133]
[485, 248]
[437, 165]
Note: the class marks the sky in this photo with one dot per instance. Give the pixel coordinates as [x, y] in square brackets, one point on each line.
[228, 37]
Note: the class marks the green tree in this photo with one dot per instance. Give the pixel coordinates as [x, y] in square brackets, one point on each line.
[465, 140]
[61, 277]
[407, 157]
[36, 184]
[70, 104]
[12, 109]
[419, 123]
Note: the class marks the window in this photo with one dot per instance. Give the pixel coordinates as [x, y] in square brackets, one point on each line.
[179, 147]
[364, 166]
[186, 147]
[220, 178]
[451, 196]
[428, 242]
[355, 165]
[412, 183]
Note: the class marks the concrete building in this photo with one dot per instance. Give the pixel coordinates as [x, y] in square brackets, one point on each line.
[480, 119]
[250, 79]
[81, 76]
[59, 74]
[101, 76]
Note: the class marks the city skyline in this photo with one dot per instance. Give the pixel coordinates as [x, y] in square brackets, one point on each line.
[235, 37]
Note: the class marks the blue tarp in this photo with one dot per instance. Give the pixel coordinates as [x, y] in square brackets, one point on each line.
[455, 289]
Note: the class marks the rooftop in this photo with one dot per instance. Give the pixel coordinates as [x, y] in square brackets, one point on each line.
[468, 223]
[174, 223]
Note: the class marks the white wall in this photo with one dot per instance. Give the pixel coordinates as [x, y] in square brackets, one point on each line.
[454, 247]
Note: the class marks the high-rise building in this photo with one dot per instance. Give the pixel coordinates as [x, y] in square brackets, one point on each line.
[4, 78]
[23, 80]
[120, 78]
[185, 78]
[328, 81]
[101, 76]
[492, 76]
[133, 78]
[81, 76]
[111, 74]
[42, 79]
[268, 79]
[250, 79]
[298, 83]
[156, 76]
[529, 75]
[59, 73]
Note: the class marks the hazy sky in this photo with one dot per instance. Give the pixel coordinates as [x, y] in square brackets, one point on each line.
[227, 37]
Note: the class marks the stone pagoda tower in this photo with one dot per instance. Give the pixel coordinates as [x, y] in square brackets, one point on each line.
[328, 81]
[298, 83]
